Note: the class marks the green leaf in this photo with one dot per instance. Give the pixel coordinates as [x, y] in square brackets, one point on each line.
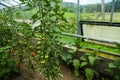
[83, 58]
[11, 63]
[83, 64]
[92, 60]
[76, 73]
[60, 75]
[22, 0]
[34, 16]
[63, 58]
[111, 65]
[68, 56]
[77, 43]
[57, 7]
[24, 24]
[72, 51]
[47, 4]
[76, 63]
[89, 73]
[5, 70]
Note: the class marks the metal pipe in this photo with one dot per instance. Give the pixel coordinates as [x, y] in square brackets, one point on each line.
[109, 53]
[103, 10]
[91, 38]
[78, 19]
[112, 11]
[115, 24]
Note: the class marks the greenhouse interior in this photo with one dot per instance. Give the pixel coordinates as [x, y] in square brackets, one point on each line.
[59, 40]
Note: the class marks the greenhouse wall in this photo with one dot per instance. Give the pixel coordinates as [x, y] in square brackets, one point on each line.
[104, 32]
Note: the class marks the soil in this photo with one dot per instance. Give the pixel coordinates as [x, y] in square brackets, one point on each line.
[66, 72]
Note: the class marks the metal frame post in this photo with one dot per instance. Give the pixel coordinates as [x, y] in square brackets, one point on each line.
[78, 19]
[80, 29]
[112, 11]
[103, 10]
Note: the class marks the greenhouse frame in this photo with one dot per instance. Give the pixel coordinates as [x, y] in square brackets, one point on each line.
[59, 40]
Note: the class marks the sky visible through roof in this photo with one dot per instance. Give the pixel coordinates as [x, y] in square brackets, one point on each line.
[9, 3]
[84, 2]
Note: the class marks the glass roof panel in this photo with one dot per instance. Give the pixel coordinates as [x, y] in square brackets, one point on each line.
[9, 3]
[5, 3]
[12, 2]
[1, 7]
[17, 1]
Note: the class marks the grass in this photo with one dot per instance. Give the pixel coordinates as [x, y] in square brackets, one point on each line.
[71, 41]
[83, 16]
[91, 16]
[67, 15]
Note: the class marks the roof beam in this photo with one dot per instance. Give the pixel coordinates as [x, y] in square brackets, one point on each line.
[3, 5]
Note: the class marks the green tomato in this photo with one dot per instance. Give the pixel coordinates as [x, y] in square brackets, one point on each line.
[38, 42]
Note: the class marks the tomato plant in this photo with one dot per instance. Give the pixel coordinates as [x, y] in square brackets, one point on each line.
[7, 62]
[49, 50]
[19, 35]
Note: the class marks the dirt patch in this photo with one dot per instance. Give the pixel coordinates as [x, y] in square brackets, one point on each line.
[68, 74]
[31, 75]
